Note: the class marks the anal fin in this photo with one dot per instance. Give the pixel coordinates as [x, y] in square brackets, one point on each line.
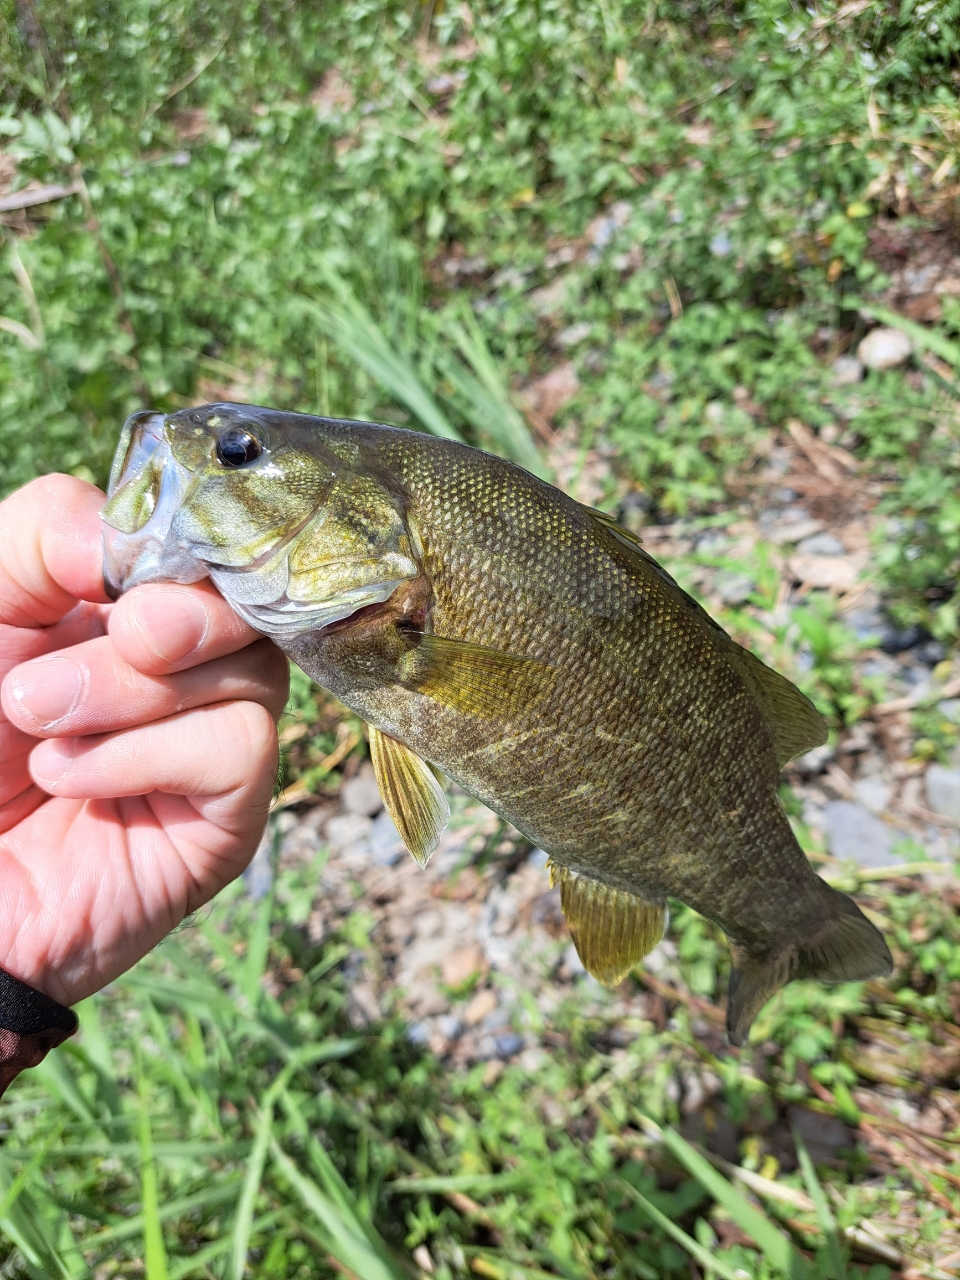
[612, 929]
[412, 794]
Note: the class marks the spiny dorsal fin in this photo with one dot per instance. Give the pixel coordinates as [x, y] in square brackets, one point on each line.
[472, 678]
[612, 929]
[411, 793]
[796, 724]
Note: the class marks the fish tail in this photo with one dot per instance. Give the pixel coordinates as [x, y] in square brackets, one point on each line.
[843, 947]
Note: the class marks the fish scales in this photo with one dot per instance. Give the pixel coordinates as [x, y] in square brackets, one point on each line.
[530, 650]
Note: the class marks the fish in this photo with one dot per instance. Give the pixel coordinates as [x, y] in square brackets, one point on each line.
[493, 631]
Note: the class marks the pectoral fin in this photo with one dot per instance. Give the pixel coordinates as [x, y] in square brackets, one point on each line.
[612, 929]
[469, 677]
[412, 794]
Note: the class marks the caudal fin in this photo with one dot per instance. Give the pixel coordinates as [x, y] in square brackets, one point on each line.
[846, 947]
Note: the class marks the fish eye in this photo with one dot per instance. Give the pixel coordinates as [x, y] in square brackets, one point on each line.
[236, 447]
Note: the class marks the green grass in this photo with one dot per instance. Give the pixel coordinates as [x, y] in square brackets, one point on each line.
[272, 200]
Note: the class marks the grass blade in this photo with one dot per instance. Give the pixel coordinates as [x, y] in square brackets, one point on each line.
[258, 950]
[484, 400]
[693, 1247]
[836, 1262]
[154, 1251]
[775, 1246]
[348, 323]
[243, 1224]
[347, 1240]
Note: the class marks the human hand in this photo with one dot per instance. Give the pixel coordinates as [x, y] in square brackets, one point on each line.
[138, 748]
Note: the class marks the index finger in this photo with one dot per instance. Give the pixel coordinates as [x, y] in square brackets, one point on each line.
[51, 537]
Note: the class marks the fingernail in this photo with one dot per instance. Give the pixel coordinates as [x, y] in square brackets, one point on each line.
[49, 689]
[172, 624]
[52, 761]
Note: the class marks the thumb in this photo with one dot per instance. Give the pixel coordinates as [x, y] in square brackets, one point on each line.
[52, 557]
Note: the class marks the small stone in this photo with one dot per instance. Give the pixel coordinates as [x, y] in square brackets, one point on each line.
[348, 830]
[363, 1007]
[463, 964]
[930, 653]
[574, 334]
[482, 1004]
[533, 1060]
[424, 998]
[949, 708]
[895, 641]
[508, 1044]
[830, 573]
[421, 1254]
[386, 847]
[571, 966]
[873, 793]
[822, 544]
[450, 1026]
[258, 876]
[943, 791]
[813, 762]
[822, 1135]
[419, 1033]
[733, 588]
[884, 348]
[854, 834]
[361, 794]
[847, 370]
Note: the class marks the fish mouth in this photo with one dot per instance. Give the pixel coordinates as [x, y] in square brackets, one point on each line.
[147, 488]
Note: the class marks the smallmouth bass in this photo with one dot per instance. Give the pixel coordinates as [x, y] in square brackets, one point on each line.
[491, 629]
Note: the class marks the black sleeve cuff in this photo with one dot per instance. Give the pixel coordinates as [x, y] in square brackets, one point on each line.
[31, 1024]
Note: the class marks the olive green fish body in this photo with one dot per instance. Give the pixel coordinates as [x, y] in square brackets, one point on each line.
[647, 729]
[490, 627]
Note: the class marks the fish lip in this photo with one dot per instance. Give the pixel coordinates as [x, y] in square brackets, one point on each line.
[150, 554]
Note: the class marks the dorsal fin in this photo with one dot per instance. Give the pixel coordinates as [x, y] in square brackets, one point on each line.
[612, 929]
[796, 724]
[794, 721]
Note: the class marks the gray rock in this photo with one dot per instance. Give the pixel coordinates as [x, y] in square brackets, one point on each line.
[348, 831]
[873, 793]
[884, 348]
[361, 794]
[734, 588]
[846, 370]
[815, 761]
[855, 834]
[450, 1026]
[363, 1007]
[571, 966]
[943, 791]
[386, 847]
[822, 544]
[508, 1044]
[949, 708]
[574, 334]
[823, 1136]
[258, 876]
